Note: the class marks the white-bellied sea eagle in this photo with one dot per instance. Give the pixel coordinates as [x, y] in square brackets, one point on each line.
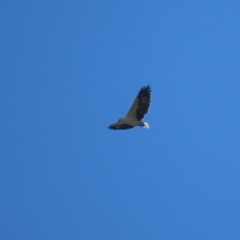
[136, 113]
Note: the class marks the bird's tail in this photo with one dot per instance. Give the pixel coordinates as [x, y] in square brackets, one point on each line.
[145, 125]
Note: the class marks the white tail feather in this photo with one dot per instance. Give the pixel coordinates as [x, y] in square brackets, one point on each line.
[145, 125]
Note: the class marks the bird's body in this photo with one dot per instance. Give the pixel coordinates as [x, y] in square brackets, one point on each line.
[136, 113]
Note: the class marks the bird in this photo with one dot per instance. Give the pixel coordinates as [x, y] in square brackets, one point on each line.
[136, 113]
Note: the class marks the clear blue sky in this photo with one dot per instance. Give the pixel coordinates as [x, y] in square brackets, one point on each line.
[71, 68]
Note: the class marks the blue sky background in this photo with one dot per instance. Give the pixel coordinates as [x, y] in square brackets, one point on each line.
[71, 68]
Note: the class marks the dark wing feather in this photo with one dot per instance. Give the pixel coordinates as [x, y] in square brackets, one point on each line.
[144, 99]
[141, 104]
[120, 127]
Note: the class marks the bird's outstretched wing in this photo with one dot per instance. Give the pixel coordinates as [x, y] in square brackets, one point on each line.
[120, 126]
[141, 104]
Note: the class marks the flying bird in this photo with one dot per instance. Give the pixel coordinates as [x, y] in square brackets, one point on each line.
[136, 113]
